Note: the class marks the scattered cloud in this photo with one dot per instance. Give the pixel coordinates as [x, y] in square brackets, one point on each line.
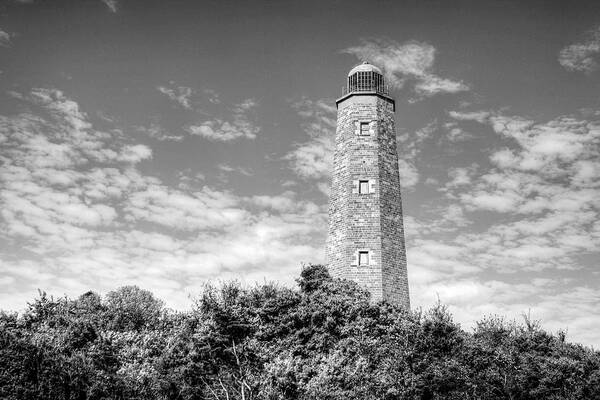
[178, 94]
[5, 38]
[240, 125]
[532, 205]
[460, 176]
[410, 145]
[409, 176]
[314, 159]
[245, 106]
[205, 209]
[584, 56]
[228, 168]
[213, 96]
[547, 174]
[73, 200]
[430, 85]
[231, 122]
[154, 130]
[318, 116]
[456, 133]
[479, 116]
[504, 223]
[471, 298]
[59, 175]
[134, 153]
[407, 62]
[113, 5]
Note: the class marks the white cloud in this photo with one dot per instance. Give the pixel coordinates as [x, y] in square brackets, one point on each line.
[318, 116]
[456, 134]
[113, 5]
[135, 153]
[410, 61]
[313, 159]
[457, 272]
[4, 38]
[178, 94]
[582, 57]
[534, 215]
[548, 174]
[223, 131]
[410, 145]
[282, 203]
[409, 176]
[430, 85]
[501, 202]
[157, 132]
[460, 176]
[546, 147]
[245, 105]
[479, 116]
[207, 209]
[71, 197]
[64, 109]
[240, 125]
[213, 96]
[64, 140]
[471, 299]
[57, 172]
[228, 168]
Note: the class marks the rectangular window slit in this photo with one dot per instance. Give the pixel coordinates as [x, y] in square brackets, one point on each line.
[364, 128]
[363, 258]
[363, 187]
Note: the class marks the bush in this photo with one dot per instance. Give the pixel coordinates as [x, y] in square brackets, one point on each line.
[323, 341]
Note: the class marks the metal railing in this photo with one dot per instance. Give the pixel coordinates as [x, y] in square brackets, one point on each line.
[381, 89]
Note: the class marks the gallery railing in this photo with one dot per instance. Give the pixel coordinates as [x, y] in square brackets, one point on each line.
[385, 90]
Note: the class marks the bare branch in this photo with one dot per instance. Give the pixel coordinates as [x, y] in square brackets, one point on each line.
[210, 388]
[224, 389]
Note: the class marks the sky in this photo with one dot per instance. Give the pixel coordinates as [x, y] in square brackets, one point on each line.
[168, 144]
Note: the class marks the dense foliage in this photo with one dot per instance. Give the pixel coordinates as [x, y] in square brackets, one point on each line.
[323, 341]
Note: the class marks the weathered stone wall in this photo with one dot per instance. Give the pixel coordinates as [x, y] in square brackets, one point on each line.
[369, 221]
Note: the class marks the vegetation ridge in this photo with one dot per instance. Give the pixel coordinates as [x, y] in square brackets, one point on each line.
[325, 340]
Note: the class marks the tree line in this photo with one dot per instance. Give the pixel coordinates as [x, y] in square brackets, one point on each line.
[324, 340]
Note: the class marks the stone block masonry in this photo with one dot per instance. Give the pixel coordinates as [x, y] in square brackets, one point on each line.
[366, 235]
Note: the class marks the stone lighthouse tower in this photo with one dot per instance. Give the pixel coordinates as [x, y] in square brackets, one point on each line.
[366, 234]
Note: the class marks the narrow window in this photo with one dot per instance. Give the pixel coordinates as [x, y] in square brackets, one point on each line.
[363, 258]
[364, 128]
[363, 187]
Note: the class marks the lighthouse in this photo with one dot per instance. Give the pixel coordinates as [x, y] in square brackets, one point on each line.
[365, 240]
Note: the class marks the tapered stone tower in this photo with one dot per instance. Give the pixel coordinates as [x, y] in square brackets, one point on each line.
[366, 233]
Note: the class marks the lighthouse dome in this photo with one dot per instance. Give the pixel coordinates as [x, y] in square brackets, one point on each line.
[366, 77]
[365, 66]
